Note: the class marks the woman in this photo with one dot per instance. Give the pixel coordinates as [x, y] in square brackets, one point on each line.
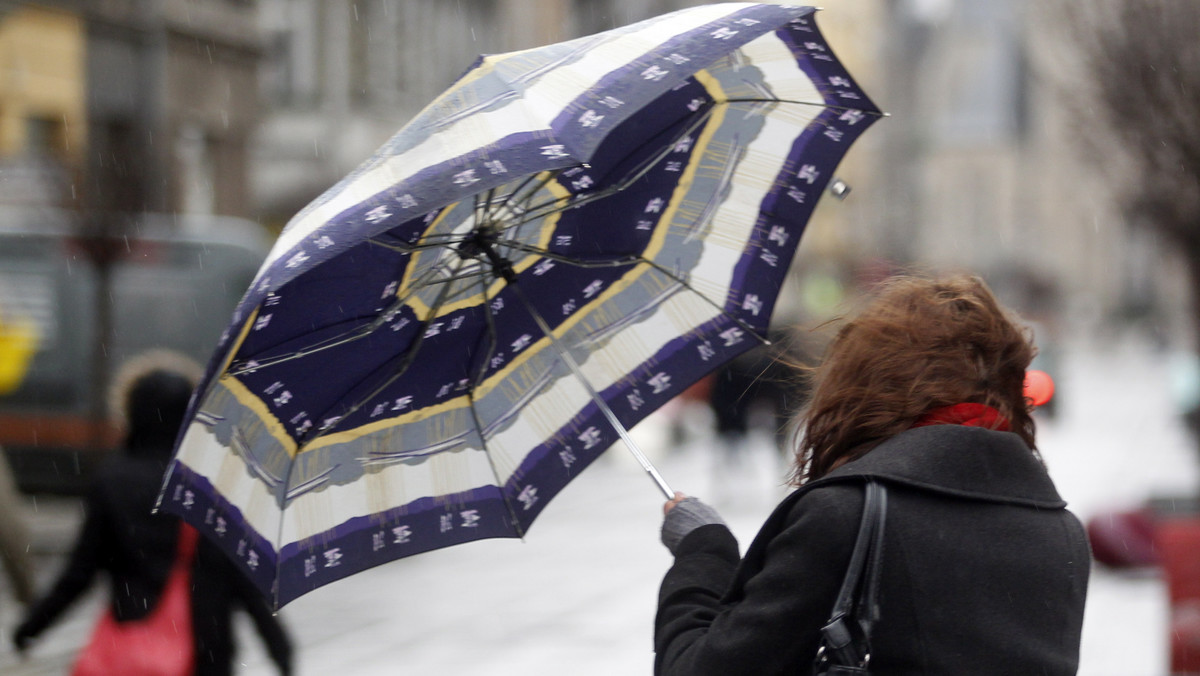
[136, 547]
[983, 570]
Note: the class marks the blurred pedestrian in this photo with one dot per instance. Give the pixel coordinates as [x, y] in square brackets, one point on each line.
[14, 536]
[18, 342]
[983, 570]
[757, 379]
[137, 548]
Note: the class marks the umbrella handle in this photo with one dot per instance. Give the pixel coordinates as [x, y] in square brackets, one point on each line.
[599, 401]
[646, 464]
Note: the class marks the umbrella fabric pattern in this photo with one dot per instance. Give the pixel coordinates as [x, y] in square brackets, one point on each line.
[560, 243]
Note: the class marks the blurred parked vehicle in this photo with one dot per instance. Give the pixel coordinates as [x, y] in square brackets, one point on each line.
[173, 283]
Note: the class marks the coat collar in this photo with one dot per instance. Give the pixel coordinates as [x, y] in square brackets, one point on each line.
[957, 460]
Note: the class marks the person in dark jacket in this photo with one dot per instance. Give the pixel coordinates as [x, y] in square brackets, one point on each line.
[984, 571]
[122, 536]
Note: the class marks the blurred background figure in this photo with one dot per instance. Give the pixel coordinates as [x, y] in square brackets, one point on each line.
[17, 342]
[14, 537]
[121, 536]
[756, 390]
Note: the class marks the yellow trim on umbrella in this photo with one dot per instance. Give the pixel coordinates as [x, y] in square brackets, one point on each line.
[678, 198]
[425, 313]
[260, 409]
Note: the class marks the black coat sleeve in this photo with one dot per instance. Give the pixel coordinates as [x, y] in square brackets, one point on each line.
[88, 556]
[273, 634]
[768, 621]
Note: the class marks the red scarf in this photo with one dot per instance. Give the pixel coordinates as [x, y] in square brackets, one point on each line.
[971, 415]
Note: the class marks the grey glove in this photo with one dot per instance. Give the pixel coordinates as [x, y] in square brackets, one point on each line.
[684, 518]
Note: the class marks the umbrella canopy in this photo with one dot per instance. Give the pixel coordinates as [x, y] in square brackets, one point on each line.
[556, 246]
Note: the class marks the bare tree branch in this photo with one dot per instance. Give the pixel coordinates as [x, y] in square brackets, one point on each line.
[1129, 71]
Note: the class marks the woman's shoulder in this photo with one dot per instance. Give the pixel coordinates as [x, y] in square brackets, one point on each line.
[822, 506]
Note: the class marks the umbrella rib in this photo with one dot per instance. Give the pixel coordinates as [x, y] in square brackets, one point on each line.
[682, 281]
[405, 248]
[409, 357]
[512, 198]
[492, 340]
[876, 113]
[492, 336]
[482, 211]
[512, 512]
[534, 212]
[347, 337]
[529, 248]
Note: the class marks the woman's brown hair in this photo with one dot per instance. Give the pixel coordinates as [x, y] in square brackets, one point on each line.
[919, 344]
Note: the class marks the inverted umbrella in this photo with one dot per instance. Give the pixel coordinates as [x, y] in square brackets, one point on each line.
[556, 246]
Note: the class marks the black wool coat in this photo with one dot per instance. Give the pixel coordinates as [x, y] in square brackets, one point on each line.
[984, 570]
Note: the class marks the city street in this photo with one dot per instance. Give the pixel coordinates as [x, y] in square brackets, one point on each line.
[577, 596]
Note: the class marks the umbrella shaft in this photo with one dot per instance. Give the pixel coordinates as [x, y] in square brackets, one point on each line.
[599, 401]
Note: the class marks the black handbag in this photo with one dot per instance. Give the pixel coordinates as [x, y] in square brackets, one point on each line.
[845, 647]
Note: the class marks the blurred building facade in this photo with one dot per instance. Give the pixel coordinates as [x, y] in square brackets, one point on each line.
[43, 100]
[979, 169]
[172, 104]
[148, 104]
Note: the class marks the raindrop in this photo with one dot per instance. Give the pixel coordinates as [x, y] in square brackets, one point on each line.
[35, 504]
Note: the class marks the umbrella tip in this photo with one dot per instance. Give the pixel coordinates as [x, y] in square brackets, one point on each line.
[839, 188]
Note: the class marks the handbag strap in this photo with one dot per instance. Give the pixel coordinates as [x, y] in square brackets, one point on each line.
[841, 643]
[868, 602]
[185, 550]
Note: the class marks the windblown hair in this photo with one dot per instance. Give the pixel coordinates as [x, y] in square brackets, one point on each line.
[920, 344]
